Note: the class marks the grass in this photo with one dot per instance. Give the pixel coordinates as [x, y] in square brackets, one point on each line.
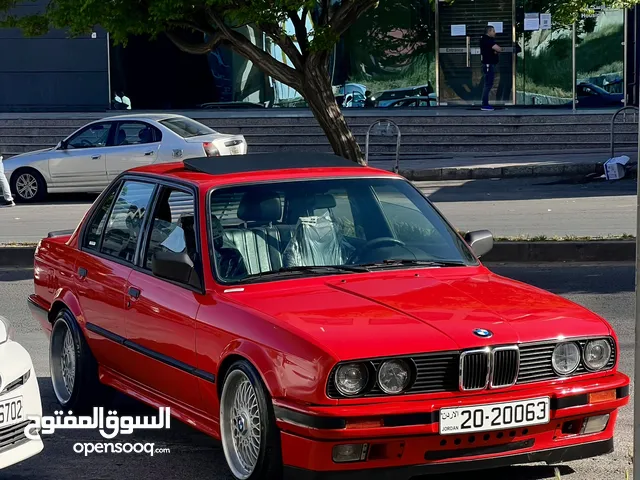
[420, 72]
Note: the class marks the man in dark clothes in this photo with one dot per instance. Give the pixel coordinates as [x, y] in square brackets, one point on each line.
[489, 51]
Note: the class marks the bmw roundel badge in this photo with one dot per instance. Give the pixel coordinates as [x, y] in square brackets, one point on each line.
[481, 332]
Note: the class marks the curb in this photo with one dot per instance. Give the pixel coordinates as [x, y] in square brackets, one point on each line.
[563, 251]
[514, 252]
[511, 171]
[17, 256]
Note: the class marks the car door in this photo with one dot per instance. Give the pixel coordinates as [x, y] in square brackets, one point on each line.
[135, 144]
[80, 162]
[104, 264]
[160, 314]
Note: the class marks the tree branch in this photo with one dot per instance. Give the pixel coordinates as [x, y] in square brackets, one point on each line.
[347, 13]
[300, 25]
[243, 46]
[285, 42]
[197, 49]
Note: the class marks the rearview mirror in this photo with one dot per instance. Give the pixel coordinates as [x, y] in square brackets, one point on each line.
[177, 267]
[480, 241]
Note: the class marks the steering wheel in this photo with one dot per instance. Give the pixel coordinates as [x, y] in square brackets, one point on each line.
[376, 243]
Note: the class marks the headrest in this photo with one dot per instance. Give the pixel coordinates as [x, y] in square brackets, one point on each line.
[324, 201]
[260, 206]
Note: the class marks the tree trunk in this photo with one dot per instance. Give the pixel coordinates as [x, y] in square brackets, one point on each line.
[318, 93]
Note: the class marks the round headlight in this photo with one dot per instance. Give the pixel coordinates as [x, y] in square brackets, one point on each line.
[351, 379]
[394, 376]
[597, 354]
[566, 358]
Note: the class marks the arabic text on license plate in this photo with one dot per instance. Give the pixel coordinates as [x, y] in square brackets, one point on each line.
[494, 416]
[11, 411]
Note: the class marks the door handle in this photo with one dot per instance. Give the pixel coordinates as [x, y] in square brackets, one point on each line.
[147, 154]
[134, 292]
[468, 51]
[95, 157]
[82, 272]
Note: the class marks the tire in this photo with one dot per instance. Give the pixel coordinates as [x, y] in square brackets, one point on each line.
[263, 462]
[78, 390]
[28, 185]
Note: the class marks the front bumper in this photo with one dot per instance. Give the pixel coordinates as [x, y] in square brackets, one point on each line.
[409, 442]
[18, 379]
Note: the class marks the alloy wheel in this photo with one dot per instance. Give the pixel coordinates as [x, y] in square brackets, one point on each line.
[27, 186]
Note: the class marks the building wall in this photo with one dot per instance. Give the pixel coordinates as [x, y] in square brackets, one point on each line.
[52, 72]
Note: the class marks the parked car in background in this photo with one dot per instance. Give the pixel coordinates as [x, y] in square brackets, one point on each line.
[386, 97]
[592, 96]
[19, 398]
[323, 320]
[91, 157]
[413, 102]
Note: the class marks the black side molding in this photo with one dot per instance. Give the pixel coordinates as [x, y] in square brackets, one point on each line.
[172, 362]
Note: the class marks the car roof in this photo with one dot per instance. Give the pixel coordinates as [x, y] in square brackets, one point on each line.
[143, 116]
[208, 172]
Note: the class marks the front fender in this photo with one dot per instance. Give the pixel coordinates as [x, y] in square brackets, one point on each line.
[37, 161]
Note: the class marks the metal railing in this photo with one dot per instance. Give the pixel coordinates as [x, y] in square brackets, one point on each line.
[623, 111]
[386, 128]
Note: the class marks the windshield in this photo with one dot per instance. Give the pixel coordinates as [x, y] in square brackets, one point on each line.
[319, 227]
[186, 127]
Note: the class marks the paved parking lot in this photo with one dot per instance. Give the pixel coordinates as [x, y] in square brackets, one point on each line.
[606, 289]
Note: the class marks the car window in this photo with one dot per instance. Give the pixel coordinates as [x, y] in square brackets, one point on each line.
[186, 127]
[173, 225]
[123, 227]
[98, 222]
[409, 224]
[93, 136]
[136, 133]
[328, 222]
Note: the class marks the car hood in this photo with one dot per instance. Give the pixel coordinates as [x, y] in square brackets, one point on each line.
[26, 155]
[378, 314]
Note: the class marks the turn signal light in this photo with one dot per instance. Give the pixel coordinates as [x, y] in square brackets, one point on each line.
[366, 423]
[605, 396]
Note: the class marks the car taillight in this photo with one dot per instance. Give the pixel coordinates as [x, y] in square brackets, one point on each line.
[210, 149]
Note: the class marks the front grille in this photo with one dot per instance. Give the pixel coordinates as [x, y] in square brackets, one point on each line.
[505, 367]
[12, 435]
[535, 362]
[474, 370]
[440, 372]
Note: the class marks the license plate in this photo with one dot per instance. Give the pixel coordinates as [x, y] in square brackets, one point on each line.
[494, 416]
[11, 411]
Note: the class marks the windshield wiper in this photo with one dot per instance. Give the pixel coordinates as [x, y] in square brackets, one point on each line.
[417, 263]
[313, 269]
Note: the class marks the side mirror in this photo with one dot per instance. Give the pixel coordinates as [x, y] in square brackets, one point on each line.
[177, 267]
[62, 145]
[480, 241]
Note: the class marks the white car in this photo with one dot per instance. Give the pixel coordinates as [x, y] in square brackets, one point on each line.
[19, 398]
[92, 156]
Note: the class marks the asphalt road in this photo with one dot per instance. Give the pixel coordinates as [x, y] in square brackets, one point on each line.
[606, 289]
[507, 207]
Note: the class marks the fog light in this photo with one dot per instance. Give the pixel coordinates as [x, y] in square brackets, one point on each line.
[595, 424]
[352, 452]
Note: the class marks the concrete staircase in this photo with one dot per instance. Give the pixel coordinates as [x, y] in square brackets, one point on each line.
[424, 135]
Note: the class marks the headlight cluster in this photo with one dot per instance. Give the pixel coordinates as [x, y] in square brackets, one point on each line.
[595, 355]
[392, 377]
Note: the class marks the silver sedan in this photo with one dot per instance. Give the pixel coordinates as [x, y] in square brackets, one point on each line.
[92, 156]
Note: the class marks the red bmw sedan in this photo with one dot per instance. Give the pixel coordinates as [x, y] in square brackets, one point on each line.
[323, 320]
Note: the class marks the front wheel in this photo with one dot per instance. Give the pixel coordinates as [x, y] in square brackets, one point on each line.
[250, 437]
[28, 185]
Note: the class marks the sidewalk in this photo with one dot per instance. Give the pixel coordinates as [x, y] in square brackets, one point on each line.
[464, 166]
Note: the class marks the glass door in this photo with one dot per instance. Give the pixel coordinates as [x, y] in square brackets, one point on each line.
[461, 24]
